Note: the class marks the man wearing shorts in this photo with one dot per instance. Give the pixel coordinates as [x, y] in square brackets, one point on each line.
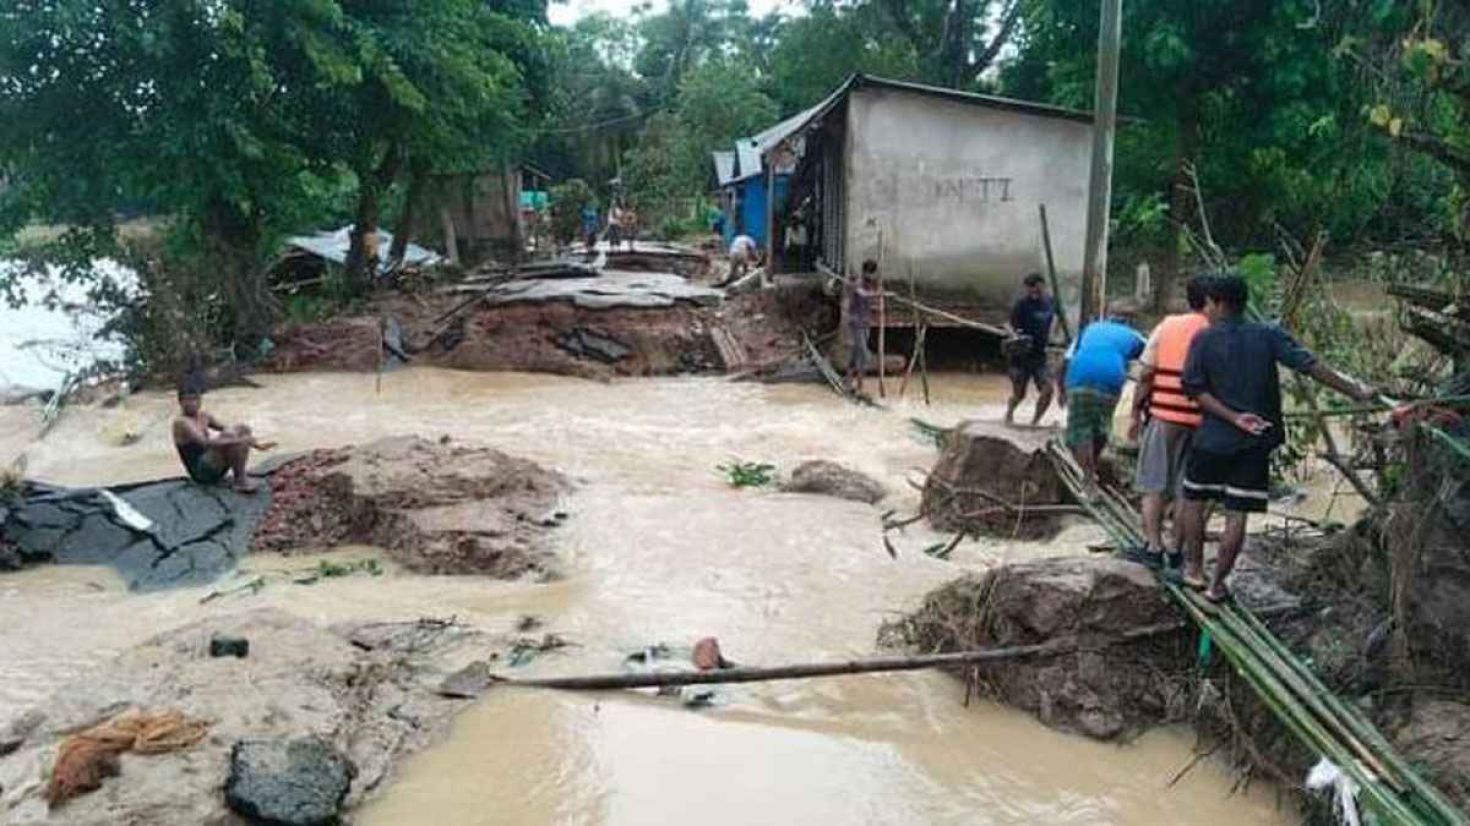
[1171, 418]
[861, 294]
[1231, 373]
[1093, 375]
[1031, 320]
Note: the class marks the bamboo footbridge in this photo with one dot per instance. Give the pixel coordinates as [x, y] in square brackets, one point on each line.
[1388, 787]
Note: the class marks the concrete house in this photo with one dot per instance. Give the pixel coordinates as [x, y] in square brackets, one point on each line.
[940, 184]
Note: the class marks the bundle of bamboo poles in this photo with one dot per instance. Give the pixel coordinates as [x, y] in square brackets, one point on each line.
[1387, 785]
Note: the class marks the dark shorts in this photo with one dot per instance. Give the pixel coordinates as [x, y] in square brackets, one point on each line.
[1241, 481]
[206, 469]
[1029, 368]
[1089, 417]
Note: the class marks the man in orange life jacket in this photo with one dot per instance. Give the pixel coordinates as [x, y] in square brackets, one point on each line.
[1171, 419]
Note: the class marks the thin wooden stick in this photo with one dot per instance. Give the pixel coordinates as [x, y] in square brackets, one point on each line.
[882, 339]
[1051, 271]
[833, 669]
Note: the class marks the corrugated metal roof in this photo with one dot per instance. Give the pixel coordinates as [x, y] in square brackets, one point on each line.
[751, 150]
[1029, 107]
[333, 246]
[724, 167]
[750, 159]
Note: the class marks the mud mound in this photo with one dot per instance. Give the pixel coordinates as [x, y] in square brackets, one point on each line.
[1106, 693]
[373, 706]
[988, 477]
[533, 337]
[348, 344]
[436, 508]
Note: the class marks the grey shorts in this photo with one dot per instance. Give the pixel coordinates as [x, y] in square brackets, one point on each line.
[1161, 453]
[857, 358]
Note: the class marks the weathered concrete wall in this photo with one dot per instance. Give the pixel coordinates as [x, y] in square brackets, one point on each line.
[954, 188]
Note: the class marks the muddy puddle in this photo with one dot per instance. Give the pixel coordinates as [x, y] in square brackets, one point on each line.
[658, 549]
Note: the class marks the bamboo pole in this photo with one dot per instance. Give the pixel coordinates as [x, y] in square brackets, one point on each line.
[999, 332]
[597, 682]
[1294, 694]
[1051, 272]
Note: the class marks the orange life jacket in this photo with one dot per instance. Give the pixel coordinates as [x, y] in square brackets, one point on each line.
[1167, 400]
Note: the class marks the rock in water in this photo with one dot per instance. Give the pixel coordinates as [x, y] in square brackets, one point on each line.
[831, 479]
[1103, 692]
[468, 682]
[298, 782]
[986, 467]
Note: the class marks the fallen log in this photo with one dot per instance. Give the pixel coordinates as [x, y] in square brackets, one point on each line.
[833, 669]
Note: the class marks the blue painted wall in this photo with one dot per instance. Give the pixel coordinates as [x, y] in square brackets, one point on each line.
[751, 217]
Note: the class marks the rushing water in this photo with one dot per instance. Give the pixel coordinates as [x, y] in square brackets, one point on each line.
[659, 549]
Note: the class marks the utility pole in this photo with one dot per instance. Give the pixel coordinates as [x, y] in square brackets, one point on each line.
[1100, 183]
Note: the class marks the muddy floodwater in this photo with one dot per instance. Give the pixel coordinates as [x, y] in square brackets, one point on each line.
[658, 549]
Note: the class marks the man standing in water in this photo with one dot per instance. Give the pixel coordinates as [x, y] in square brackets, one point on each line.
[1031, 320]
[1172, 418]
[1231, 373]
[1093, 375]
[207, 447]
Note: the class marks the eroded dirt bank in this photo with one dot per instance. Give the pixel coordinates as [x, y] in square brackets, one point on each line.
[656, 548]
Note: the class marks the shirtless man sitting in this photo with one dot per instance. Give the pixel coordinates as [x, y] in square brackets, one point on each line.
[209, 449]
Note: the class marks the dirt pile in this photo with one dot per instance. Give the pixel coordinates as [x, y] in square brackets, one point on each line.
[346, 344]
[436, 507]
[1103, 692]
[372, 705]
[995, 481]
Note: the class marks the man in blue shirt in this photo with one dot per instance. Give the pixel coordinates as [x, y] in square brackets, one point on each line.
[1031, 320]
[1231, 372]
[1093, 375]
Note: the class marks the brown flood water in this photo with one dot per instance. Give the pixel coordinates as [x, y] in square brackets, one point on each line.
[659, 549]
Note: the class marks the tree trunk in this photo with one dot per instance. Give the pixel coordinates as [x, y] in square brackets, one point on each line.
[231, 243]
[956, 40]
[418, 178]
[1181, 202]
[362, 254]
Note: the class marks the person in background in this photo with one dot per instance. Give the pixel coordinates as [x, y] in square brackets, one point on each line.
[1231, 373]
[590, 224]
[744, 254]
[717, 222]
[209, 448]
[862, 292]
[1092, 378]
[615, 216]
[1031, 320]
[630, 226]
[1171, 418]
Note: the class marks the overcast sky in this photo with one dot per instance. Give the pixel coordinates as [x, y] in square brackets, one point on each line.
[563, 13]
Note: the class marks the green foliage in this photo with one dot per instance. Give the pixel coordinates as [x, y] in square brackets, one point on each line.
[743, 474]
[240, 122]
[327, 569]
[568, 198]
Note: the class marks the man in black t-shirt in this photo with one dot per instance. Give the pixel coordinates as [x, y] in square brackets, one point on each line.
[1231, 372]
[1031, 320]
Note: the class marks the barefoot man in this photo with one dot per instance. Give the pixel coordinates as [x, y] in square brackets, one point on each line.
[209, 449]
[1231, 373]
